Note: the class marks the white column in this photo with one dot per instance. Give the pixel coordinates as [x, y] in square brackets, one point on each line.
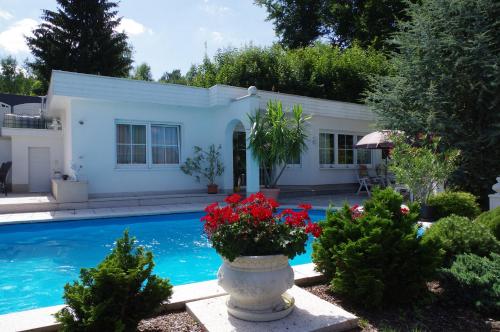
[253, 184]
[495, 198]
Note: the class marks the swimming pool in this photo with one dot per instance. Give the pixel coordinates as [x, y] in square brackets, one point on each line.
[37, 260]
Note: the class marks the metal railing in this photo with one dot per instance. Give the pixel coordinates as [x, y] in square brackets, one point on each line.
[11, 120]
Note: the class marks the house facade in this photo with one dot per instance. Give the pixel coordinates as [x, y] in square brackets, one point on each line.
[127, 137]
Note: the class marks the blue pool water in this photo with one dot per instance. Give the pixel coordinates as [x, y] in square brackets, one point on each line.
[37, 260]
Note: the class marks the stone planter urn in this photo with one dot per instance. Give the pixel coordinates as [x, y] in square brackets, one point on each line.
[257, 287]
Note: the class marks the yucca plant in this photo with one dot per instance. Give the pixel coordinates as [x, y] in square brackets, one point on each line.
[277, 137]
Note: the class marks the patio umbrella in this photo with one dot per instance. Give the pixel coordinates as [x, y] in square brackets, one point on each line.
[378, 140]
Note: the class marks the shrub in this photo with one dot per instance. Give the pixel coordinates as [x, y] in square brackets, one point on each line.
[458, 235]
[475, 281]
[491, 219]
[369, 253]
[117, 294]
[454, 202]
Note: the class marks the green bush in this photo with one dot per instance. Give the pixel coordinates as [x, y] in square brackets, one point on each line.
[491, 219]
[458, 235]
[117, 294]
[454, 202]
[369, 254]
[475, 281]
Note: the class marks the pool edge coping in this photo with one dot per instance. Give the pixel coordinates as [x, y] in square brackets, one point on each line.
[109, 214]
[41, 319]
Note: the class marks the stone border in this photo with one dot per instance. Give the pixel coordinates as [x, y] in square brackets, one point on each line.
[42, 319]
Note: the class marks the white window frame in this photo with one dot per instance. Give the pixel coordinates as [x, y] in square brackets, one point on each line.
[299, 165]
[149, 147]
[130, 166]
[334, 149]
[336, 164]
[178, 127]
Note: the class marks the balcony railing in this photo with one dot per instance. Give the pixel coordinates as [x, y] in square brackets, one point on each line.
[28, 121]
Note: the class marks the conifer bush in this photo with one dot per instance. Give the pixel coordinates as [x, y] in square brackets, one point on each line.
[491, 219]
[459, 203]
[115, 295]
[474, 281]
[458, 235]
[373, 254]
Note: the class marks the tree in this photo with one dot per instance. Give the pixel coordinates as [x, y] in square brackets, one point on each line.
[321, 70]
[276, 138]
[175, 76]
[299, 23]
[115, 295]
[80, 36]
[142, 72]
[446, 81]
[16, 80]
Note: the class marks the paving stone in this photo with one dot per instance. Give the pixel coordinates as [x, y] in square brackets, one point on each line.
[310, 314]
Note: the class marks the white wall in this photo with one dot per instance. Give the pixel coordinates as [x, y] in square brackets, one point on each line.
[93, 144]
[22, 140]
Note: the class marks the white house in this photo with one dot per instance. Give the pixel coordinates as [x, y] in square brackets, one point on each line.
[130, 136]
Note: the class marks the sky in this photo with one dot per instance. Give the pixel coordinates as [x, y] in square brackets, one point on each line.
[166, 34]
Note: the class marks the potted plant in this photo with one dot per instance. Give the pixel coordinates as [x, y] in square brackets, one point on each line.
[205, 164]
[275, 138]
[255, 243]
[420, 165]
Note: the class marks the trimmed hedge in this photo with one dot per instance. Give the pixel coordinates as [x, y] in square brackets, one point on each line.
[458, 235]
[369, 254]
[491, 219]
[459, 203]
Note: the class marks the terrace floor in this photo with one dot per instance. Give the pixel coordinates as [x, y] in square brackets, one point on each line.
[151, 206]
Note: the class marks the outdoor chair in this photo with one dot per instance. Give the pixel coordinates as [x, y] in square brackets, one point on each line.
[4, 171]
[364, 180]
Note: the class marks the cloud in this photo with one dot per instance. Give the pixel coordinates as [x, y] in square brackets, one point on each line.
[217, 36]
[5, 15]
[12, 39]
[132, 27]
[215, 9]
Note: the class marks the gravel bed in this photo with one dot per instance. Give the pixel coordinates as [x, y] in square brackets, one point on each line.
[175, 321]
[435, 316]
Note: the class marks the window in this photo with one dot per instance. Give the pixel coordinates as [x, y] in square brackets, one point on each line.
[165, 144]
[131, 144]
[326, 148]
[346, 149]
[293, 161]
[364, 155]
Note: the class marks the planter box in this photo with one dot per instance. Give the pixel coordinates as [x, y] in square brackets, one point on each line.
[70, 191]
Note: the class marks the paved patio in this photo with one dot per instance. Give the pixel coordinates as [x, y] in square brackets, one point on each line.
[163, 206]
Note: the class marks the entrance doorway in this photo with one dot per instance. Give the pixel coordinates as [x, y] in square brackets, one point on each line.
[39, 170]
[239, 159]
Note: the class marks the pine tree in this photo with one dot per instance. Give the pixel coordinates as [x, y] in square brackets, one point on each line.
[80, 36]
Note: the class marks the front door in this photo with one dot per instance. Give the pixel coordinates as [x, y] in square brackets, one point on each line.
[239, 159]
[39, 170]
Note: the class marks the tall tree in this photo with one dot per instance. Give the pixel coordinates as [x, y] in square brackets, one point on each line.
[447, 82]
[80, 36]
[321, 70]
[175, 76]
[14, 79]
[142, 72]
[299, 23]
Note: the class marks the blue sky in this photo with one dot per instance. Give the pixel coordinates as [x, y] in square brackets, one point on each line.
[167, 34]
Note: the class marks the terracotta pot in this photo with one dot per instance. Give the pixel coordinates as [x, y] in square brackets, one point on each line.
[271, 192]
[213, 188]
[257, 287]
